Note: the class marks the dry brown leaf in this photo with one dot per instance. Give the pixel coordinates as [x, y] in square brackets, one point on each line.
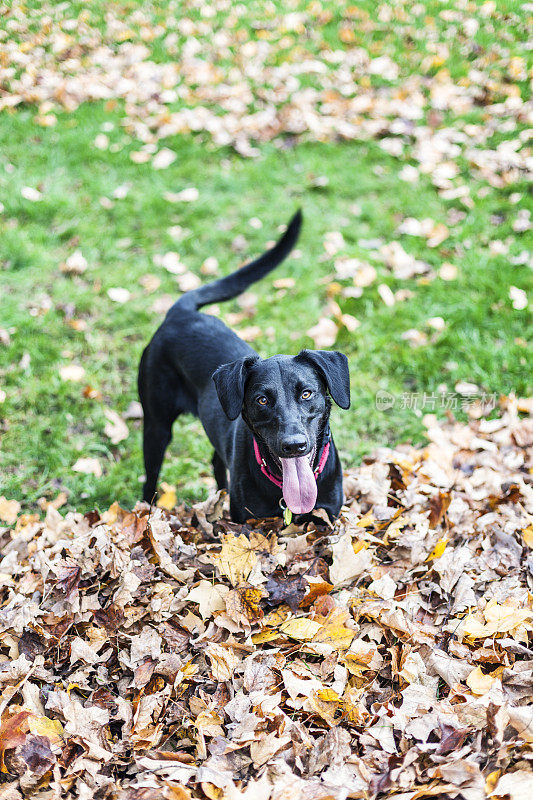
[223, 660]
[347, 563]
[210, 597]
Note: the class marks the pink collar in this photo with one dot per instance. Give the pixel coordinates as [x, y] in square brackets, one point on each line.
[266, 472]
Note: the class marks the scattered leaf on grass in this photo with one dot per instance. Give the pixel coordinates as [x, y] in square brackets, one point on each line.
[118, 294]
[188, 195]
[76, 264]
[9, 510]
[115, 428]
[324, 333]
[30, 193]
[163, 158]
[88, 466]
[72, 372]
[518, 297]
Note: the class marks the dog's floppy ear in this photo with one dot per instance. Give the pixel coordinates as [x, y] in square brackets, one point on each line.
[229, 382]
[333, 367]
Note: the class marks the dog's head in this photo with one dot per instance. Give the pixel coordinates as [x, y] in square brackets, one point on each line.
[284, 400]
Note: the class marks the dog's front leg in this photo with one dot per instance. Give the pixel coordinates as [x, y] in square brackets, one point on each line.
[219, 471]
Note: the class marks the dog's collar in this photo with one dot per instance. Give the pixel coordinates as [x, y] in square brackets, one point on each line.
[261, 463]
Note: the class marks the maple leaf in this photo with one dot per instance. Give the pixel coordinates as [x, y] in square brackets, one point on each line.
[68, 578]
[237, 558]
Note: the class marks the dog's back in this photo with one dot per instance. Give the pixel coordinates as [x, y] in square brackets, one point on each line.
[196, 344]
[176, 368]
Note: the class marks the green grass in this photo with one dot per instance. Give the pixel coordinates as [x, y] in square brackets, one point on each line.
[46, 423]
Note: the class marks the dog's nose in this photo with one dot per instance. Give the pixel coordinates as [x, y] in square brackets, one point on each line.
[293, 446]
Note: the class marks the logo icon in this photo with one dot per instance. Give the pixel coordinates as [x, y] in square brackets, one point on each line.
[384, 400]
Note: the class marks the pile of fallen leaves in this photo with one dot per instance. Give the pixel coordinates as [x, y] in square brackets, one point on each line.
[173, 654]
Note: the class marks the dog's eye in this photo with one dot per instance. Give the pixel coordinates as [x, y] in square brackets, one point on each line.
[306, 394]
[262, 400]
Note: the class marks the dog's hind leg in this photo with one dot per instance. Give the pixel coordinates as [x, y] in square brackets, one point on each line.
[219, 469]
[163, 397]
[156, 438]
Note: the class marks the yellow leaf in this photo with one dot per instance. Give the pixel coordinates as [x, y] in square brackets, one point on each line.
[326, 704]
[177, 792]
[209, 723]
[301, 629]
[242, 604]
[328, 695]
[189, 670]
[491, 780]
[277, 616]
[505, 618]
[237, 558]
[393, 530]
[439, 549]
[479, 682]
[211, 791]
[267, 635]
[527, 535]
[367, 520]
[168, 498]
[353, 706]
[338, 636]
[43, 726]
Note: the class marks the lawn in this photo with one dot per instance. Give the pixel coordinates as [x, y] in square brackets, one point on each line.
[69, 186]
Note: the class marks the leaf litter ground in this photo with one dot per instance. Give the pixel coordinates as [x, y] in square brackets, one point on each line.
[173, 654]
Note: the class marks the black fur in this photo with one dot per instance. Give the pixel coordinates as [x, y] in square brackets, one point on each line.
[196, 364]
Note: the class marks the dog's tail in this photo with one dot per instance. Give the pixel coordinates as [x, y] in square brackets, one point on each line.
[236, 283]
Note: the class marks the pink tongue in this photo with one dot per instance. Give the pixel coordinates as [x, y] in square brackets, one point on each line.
[299, 485]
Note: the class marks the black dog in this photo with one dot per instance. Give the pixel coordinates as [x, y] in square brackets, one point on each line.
[267, 419]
